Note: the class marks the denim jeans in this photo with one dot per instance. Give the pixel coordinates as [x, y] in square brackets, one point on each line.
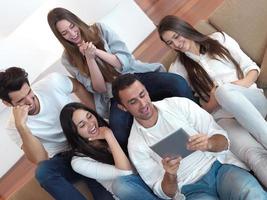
[225, 181]
[159, 85]
[132, 187]
[56, 177]
[248, 106]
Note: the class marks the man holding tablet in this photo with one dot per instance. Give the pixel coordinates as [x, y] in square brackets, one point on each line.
[210, 172]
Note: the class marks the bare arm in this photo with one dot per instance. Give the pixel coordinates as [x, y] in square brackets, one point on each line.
[202, 142]
[120, 159]
[32, 147]
[109, 58]
[98, 81]
[169, 183]
[212, 104]
[250, 78]
[85, 96]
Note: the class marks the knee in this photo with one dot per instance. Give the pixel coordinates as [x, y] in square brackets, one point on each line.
[121, 187]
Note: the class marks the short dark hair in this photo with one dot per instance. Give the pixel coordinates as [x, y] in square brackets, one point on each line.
[121, 83]
[12, 80]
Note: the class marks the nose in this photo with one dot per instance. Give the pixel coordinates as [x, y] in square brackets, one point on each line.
[29, 99]
[72, 33]
[142, 102]
[176, 43]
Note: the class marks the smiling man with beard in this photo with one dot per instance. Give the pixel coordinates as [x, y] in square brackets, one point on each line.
[36, 112]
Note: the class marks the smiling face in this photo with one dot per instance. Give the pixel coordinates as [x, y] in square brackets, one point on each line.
[135, 99]
[25, 96]
[86, 123]
[177, 42]
[69, 31]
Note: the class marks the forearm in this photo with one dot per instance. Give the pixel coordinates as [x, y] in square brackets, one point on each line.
[98, 81]
[109, 58]
[209, 106]
[249, 79]
[169, 184]
[217, 143]
[32, 147]
[120, 159]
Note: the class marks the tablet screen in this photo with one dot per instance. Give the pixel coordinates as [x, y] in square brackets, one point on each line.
[173, 145]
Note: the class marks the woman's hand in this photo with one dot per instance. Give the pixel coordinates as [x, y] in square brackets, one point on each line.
[88, 49]
[103, 133]
[212, 104]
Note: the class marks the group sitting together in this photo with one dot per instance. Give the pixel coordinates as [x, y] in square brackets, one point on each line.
[126, 106]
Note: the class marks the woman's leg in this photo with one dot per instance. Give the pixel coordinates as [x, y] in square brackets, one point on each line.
[132, 187]
[246, 148]
[234, 183]
[249, 107]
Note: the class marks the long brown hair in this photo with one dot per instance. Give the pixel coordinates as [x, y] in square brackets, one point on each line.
[199, 78]
[79, 145]
[89, 33]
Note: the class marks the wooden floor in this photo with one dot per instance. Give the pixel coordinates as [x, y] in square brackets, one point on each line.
[150, 50]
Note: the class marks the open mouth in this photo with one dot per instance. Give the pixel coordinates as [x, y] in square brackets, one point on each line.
[93, 130]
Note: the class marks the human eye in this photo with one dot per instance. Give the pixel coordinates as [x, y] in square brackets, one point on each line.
[64, 33]
[142, 94]
[81, 125]
[133, 101]
[88, 115]
[72, 25]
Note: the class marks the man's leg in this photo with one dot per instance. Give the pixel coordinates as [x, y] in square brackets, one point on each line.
[132, 187]
[161, 85]
[56, 177]
[234, 183]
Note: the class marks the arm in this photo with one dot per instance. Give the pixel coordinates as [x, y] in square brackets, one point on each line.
[203, 142]
[120, 159]
[249, 79]
[97, 78]
[32, 147]
[109, 58]
[212, 104]
[169, 183]
[85, 96]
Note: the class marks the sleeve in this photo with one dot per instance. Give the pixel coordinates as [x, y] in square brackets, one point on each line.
[59, 82]
[246, 64]
[198, 118]
[96, 170]
[84, 80]
[178, 68]
[116, 45]
[150, 171]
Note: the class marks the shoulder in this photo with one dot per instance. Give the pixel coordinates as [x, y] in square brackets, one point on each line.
[224, 39]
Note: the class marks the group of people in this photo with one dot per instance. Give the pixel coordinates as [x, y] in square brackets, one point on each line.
[127, 106]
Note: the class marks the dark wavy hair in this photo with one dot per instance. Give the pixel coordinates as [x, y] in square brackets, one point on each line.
[89, 33]
[199, 78]
[79, 145]
[12, 79]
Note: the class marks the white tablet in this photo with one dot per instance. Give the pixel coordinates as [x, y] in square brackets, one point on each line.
[173, 145]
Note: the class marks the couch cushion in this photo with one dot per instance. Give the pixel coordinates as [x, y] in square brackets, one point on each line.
[245, 21]
[205, 27]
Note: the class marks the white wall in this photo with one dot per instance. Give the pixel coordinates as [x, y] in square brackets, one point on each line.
[27, 41]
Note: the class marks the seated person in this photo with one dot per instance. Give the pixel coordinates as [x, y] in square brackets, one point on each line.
[211, 172]
[96, 153]
[36, 110]
[95, 56]
[223, 77]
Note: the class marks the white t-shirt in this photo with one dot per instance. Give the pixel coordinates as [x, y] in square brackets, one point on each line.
[105, 174]
[175, 113]
[53, 92]
[220, 71]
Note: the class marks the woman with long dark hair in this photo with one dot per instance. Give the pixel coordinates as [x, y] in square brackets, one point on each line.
[223, 77]
[96, 153]
[95, 56]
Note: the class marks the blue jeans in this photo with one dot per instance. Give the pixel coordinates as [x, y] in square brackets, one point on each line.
[56, 177]
[159, 85]
[225, 181]
[132, 187]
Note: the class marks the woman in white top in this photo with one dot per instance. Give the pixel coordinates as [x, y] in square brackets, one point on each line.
[96, 153]
[223, 77]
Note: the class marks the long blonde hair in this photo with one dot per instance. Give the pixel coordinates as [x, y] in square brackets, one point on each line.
[89, 33]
